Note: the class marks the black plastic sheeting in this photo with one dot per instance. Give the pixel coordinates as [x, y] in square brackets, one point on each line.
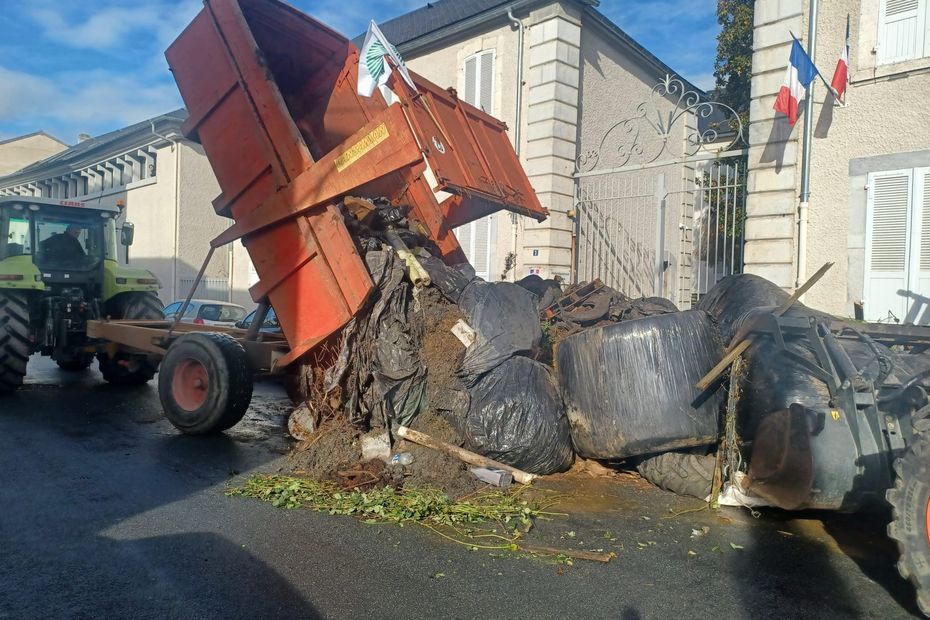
[547, 291]
[629, 387]
[506, 323]
[379, 367]
[449, 280]
[736, 295]
[516, 417]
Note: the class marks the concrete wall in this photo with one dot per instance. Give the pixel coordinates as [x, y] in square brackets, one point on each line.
[548, 124]
[18, 153]
[175, 221]
[771, 203]
[883, 124]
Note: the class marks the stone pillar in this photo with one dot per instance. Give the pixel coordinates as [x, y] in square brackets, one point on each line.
[551, 133]
[774, 148]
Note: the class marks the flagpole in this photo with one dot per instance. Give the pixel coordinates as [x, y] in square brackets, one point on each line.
[806, 152]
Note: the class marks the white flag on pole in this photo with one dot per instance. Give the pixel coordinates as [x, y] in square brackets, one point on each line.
[373, 68]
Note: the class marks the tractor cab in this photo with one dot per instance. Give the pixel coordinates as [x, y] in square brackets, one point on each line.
[66, 241]
[59, 269]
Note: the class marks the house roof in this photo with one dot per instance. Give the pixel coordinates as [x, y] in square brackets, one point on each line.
[437, 15]
[30, 135]
[433, 24]
[94, 149]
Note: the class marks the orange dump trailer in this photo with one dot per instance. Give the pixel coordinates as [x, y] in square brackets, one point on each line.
[272, 97]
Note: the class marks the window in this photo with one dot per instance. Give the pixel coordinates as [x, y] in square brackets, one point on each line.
[903, 27]
[172, 309]
[897, 247]
[221, 313]
[18, 239]
[479, 80]
[66, 242]
[477, 238]
[477, 241]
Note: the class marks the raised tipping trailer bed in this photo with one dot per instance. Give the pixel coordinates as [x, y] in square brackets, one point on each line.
[271, 96]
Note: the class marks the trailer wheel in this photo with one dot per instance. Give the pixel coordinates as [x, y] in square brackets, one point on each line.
[681, 473]
[15, 346]
[205, 384]
[910, 524]
[124, 368]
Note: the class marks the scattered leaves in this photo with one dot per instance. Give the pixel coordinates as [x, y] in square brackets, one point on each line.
[431, 508]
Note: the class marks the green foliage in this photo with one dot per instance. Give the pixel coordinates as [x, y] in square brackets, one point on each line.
[733, 65]
[429, 507]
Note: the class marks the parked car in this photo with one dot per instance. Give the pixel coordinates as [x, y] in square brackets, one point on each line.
[207, 312]
[270, 326]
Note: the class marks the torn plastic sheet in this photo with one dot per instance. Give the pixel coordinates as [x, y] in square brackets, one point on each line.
[506, 322]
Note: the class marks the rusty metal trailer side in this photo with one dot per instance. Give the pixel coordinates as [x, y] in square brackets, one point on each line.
[272, 98]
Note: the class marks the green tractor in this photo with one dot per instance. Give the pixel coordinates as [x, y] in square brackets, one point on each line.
[59, 269]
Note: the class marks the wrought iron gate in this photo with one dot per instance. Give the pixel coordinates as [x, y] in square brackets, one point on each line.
[660, 201]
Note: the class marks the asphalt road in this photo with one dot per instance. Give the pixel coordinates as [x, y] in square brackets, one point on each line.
[107, 512]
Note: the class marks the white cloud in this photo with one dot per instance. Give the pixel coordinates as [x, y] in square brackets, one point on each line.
[110, 27]
[91, 101]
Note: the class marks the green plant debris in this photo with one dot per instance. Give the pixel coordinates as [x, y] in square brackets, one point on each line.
[432, 508]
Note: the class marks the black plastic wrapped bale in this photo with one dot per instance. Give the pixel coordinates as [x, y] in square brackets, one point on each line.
[629, 387]
[736, 295]
[506, 323]
[516, 417]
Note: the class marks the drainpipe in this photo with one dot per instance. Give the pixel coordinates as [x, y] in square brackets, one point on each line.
[516, 23]
[177, 207]
[806, 154]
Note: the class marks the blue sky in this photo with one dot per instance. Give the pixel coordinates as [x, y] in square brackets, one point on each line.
[81, 67]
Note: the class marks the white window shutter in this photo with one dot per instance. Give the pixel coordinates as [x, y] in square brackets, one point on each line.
[487, 81]
[901, 30]
[471, 80]
[479, 80]
[888, 231]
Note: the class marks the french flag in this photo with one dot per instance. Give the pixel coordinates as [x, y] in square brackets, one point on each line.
[798, 76]
[841, 74]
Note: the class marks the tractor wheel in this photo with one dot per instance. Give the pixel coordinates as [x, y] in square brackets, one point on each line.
[680, 472]
[205, 384]
[15, 346]
[910, 524]
[76, 363]
[127, 369]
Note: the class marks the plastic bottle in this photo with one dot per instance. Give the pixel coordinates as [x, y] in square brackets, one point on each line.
[402, 458]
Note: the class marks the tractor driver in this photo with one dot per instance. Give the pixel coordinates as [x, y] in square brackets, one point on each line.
[64, 247]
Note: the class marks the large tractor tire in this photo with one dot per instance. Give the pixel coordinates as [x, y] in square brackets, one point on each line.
[123, 368]
[205, 384]
[15, 346]
[680, 472]
[910, 503]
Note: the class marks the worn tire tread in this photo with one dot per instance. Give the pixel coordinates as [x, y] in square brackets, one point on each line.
[681, 473]
[15, 346]
[908, 498]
